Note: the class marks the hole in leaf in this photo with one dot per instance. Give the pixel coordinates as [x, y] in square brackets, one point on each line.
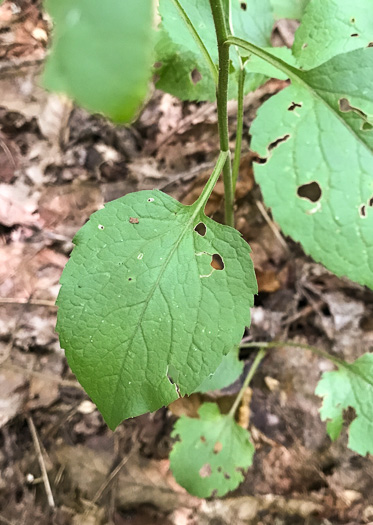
[227, 476]
[370, 44]
[243, 6]
[345, 107]
[217, 262]
[218, 447]
[294, 105]
[278, 141]
[366, 126]
[261, 160]
[363, 211]
[305, 45]
[170, 379]
[201, 229]
[310, 191]
[100, 227]
[353, 20]
[134, 220]
[130, 278]
[150, 200]
[203, 439]
[157, 65]
[371, 201]
[195, 76]
[355, 34]
[205, 471]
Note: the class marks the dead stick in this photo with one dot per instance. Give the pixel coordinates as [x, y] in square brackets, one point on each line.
[43, 469]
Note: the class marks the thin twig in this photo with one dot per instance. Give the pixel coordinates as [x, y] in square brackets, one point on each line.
[110, 478]
[5, 521]
[33, 302]
[272, 225]
[43, 469]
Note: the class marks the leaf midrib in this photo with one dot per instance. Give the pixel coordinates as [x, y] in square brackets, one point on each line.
[296, 76]
[151, 293]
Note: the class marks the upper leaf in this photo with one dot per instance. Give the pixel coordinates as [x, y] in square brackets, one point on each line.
[220, 448]
[350, 386]
[148, 306]
[186, 71]
[332, 27]
[102, 54]
[317, 136]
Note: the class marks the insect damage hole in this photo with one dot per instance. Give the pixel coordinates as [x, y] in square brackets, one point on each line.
[217, 262]
[278, 141]
[205, 471]
[243, 6]
[195, 76]
[310, 191]
[370, 202]
[101, 227]
[294, 105]
[201, 229]
[363, 211]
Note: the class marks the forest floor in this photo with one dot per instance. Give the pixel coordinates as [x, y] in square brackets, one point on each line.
[58, 164]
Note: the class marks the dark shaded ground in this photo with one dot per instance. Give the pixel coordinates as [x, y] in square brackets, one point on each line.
[57, 166]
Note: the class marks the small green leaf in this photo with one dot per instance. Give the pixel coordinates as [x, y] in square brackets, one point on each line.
[102, 54]
[289, 8]
[317, 137]
[148, 306]
[184, 70]
[350, 386]
[227, 372]
[332, 27]
[221, 451]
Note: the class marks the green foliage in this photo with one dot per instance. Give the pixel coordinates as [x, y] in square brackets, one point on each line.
[350, 386]
[101, 54]
[221, 452]
[227, 372]
[143, 316]
[289, 8]
[317, 137]
[183, 69]
[330, 28]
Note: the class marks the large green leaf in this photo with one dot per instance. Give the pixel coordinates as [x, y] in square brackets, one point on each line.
[221, 451]
[102, 53]
[317, 138]
[187, 71]
[350, 386]
[144, 313]
[332, 27]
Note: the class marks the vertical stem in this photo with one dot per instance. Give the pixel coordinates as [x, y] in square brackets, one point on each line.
[222, 101]
[237, 151]
[258, 359]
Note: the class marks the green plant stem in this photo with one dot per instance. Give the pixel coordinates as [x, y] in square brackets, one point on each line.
[198, 40]
[237, 150]
[207, 190]
[313, 349]
[222, 101]
[258, 359]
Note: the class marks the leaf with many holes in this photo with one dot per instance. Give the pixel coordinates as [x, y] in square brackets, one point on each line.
[332, 27]
[317, 136]
[149, 306]
[221, 451]
[227, 373]
[102, 54]
[350, 386]
[182, 69]
[289, 8]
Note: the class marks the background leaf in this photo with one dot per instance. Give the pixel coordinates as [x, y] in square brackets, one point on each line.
[318, 141]
[102, 54]
[289, 8]
[143, 316]
[220, 448]
[227, 372]
[332, 27]
[350, 386]
[182, 69]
